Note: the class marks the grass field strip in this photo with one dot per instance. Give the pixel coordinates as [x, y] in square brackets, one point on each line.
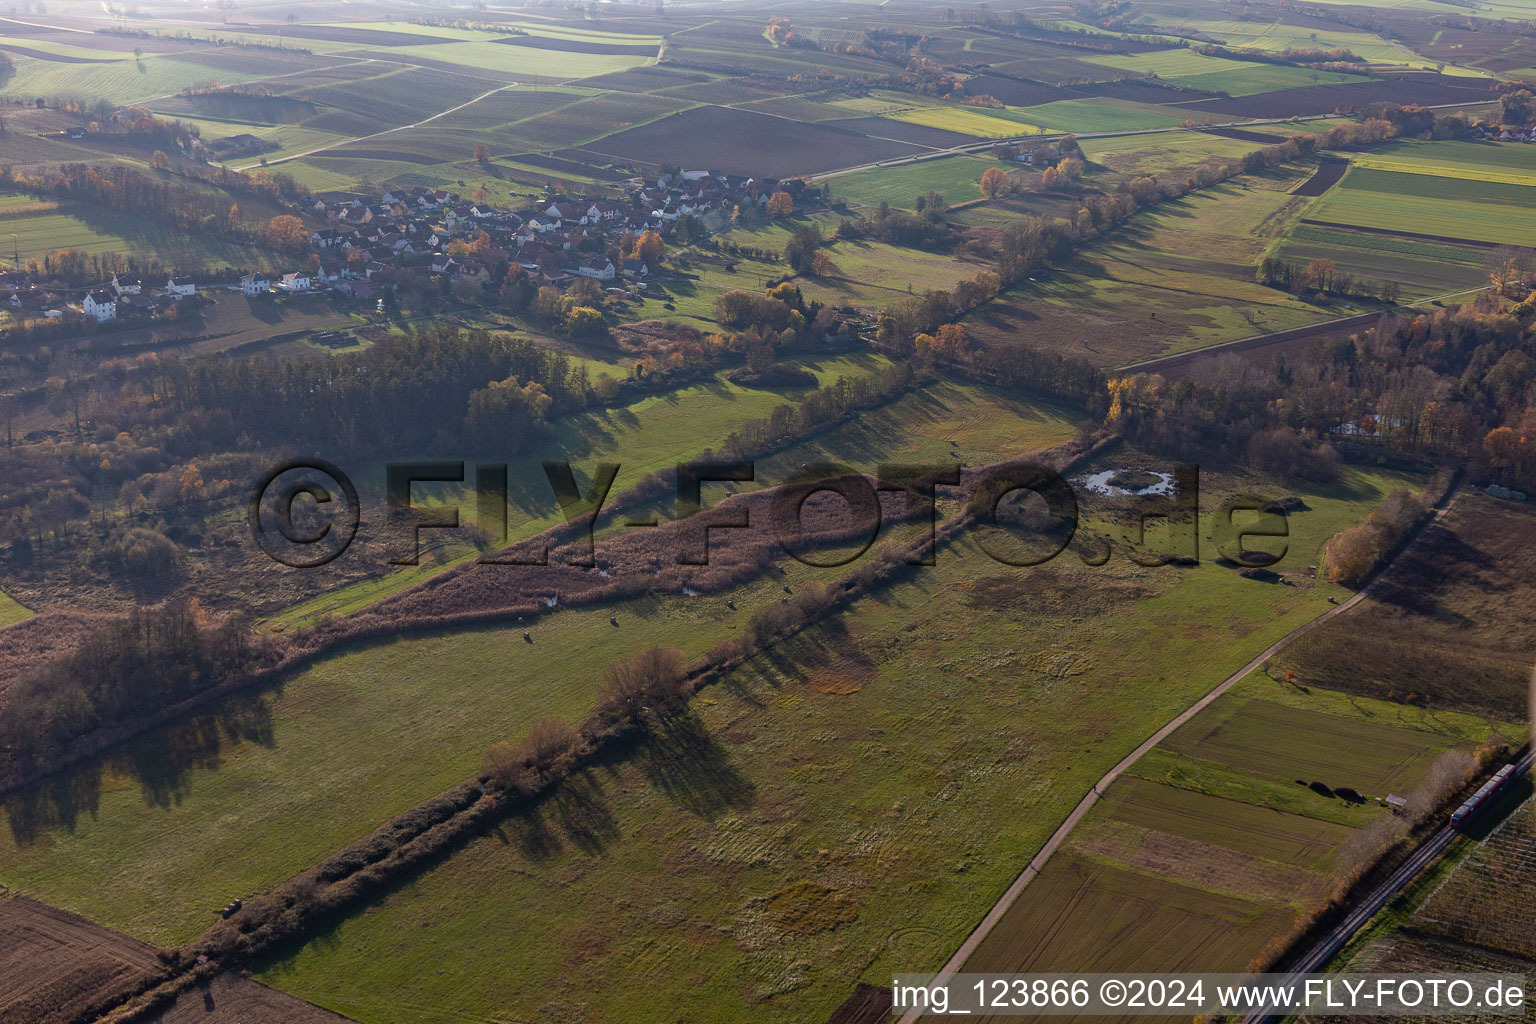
[1462, 172]
[1066, 828]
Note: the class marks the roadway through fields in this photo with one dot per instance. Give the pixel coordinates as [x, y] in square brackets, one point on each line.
[387, 131]
[1329, 945]
[1037, 864]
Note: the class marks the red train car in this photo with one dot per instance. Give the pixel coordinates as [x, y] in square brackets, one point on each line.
[1484, 795]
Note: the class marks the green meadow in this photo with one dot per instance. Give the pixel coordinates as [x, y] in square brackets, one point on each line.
[830, 810]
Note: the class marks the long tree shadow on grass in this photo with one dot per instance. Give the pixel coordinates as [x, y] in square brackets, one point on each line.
[162, 762]
[583, 814]
[577, 813]
[690, 768]
[1432, 569]
[791, 660]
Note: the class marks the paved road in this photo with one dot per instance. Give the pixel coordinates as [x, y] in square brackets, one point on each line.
[1000, 908]
[1329, 945]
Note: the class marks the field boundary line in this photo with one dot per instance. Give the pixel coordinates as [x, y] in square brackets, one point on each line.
[1277, 337]
[1396, 233]
[1037, 863]
[387, 131]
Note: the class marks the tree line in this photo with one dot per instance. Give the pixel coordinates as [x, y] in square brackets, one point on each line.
[1455, 383]
[457, 383]
[122, 188]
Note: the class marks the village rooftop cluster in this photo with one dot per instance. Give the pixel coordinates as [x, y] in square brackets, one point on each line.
[422, 234]
[412, 232]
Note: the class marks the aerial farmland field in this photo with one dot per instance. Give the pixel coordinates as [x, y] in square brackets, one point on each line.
[122, 78]
[787, 816]
[1162, 154]
[37, 228]
[968, 122]
[1214, 837]
[1488, 649]
[1436, 206]
[1219, 74]
[1183, 273]
[186, 856]
[1101, 115]
[1424, 268]
[691, 512]
[647, 436]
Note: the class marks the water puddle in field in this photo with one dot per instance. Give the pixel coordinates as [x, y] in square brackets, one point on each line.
[1128, 483]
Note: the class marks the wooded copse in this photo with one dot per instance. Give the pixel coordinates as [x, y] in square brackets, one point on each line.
[152, 658]
[1450, 384]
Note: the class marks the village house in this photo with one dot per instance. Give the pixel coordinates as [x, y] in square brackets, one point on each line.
[358, 289]
[181, 287]
[596, 267]
[100, 304]
[141, 305]
[255, 284]
[295, 281]
[126, 284]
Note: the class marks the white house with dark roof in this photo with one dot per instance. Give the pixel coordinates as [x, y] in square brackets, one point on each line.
[295, 281]
[100, 304]
[596, 267]
[181, 287]
[126, 284]
[255, 284]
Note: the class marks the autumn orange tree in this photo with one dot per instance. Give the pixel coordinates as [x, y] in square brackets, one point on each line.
[781, 204]
[779, 30]
[952, 341]
[286, 232]
[482, 153]
[1320, 274]
[995, 182]
[649, 248]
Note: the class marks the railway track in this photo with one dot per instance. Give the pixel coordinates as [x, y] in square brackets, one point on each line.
[1328, 946]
